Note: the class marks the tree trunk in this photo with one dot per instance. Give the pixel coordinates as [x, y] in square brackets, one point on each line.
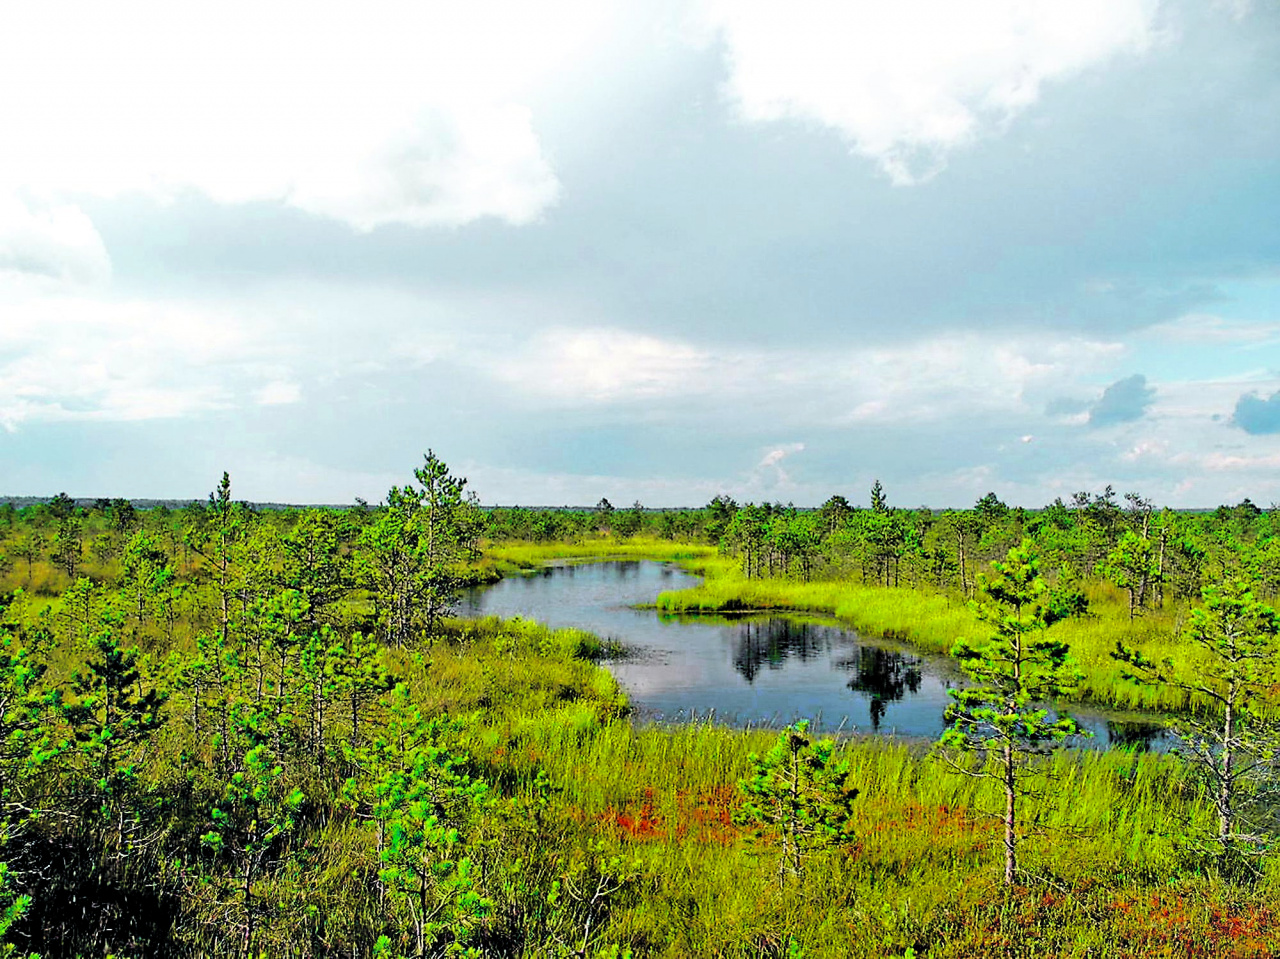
[1226, 786]
[1164, 535]
[1010, 813]
[247, 892]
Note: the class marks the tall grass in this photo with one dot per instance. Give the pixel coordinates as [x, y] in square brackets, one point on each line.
[516, 557]
[1108, 870]
[933, 621]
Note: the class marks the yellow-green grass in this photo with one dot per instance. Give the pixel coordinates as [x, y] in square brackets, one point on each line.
[1107, 873]
[1105, 863]
[923, 616]
[520, 556]
[933, 621]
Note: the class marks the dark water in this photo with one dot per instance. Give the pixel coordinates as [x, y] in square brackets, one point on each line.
[765, 670]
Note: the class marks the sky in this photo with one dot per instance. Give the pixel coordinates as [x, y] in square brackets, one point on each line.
[654, 250]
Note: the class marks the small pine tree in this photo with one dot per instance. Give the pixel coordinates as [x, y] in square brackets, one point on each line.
[419, 794]
[355, 674]
[256, 814]
[878, 501]
[797, 791]
[1227, 738]
[1015, 670]
[113, 718]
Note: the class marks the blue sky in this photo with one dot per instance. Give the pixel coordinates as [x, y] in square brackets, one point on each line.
[649, 251]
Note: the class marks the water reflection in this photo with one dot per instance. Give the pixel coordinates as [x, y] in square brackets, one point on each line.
[771, 642]
[884, 676]
[1137, 735]
[753, 670]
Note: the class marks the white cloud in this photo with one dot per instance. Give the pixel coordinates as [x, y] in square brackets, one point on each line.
[1156, 451]
[941, 378]
[397, 113]
[606, 365]
[777, 455]
[928, 380]
[1207, 328]
[1265, 463]
[71, 353]
[278, 393]
[908, 81]
[770, 470]
[56, 241]
[64, 356]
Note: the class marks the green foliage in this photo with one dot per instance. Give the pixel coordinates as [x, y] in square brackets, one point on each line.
[628, 522]
[1132, 565]
[547, 823]
[422, 797]
[250, 823]
[1231, 741]
[879, 503]
[12, 908]
[410, 551]
[113, 717]
[1016, 669]
[797, 793]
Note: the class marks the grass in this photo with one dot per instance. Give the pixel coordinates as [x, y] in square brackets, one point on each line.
[604, 836]
[933, 621]
[514, 557]
[1108, 873]
[585, 802]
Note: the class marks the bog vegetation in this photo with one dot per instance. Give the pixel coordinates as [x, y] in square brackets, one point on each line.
[227, 731]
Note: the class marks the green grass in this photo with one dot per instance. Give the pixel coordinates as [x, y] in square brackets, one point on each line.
[933, 621]
[583, 800]
[1108, 873]
[518, 557]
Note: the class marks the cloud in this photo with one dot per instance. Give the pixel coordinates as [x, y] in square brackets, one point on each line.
[922, 381]
[1256, 415]
[1066, 406]
[769, 471]
[905, 83]
[777, 455]
[407, 113]
[55, 241]
[1209, 329]
[71, 357]
[278, 393]
[72, 354]
[1122, 402]
[1266, 463]
[605, 365]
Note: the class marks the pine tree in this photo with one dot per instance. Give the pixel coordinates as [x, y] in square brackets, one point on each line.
[878, 501]
[253, 819]
[411, 551]
[798, 792]
[1016, 669]
[1132, 565]
[113, 718]
[420, 796]
[1227, 737]
[355, 673]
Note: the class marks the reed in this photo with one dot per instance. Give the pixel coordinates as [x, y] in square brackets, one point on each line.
[933, 621]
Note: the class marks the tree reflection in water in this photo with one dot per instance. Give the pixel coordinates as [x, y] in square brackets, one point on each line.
[885, 675]
[1135, 734]
[771, 642]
